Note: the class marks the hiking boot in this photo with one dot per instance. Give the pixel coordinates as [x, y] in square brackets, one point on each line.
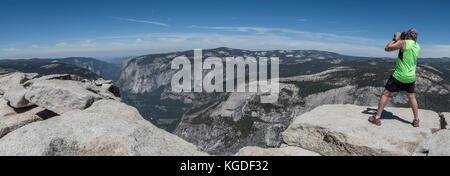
[374, 120]
[415, 123]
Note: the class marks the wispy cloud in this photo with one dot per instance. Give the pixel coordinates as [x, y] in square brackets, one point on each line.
[352, 31]
[140, 21]
[298, 33]
[38, 46]
[10, 49]
[62, 44]
[117, 44]
[88, 43]
[435, 51]
[302, 20]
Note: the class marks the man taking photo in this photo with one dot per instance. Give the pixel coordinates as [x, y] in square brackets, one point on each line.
[404, 75]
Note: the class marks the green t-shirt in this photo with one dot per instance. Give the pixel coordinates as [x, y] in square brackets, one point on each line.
[405, 69]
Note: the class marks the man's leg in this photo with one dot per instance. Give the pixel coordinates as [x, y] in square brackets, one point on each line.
[414, 105]
[383, 102]
[384, 98]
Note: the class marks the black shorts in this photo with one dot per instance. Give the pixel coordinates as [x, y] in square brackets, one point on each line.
[393, 85]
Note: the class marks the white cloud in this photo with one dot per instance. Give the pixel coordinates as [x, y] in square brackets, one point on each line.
[117, 44]
[141, 21]
[435, 51]
[138, 40]
[352, 31]
[62, 44]
[38, 46]
[10, 49]
[301, 20]
[87, 43]
[297, 33]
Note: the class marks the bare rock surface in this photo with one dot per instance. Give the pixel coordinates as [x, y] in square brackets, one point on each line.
[5, 109]
[60, 96]
[19, 119]
[344, 130]
[11, 80]
[106, 128]
[436, 145]
[16, 97]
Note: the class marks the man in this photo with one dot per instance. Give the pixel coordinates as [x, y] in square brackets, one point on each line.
[404, 75]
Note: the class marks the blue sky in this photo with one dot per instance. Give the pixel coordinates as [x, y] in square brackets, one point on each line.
[108, 28]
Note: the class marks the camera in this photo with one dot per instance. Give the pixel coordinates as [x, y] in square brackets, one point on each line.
[402, 36]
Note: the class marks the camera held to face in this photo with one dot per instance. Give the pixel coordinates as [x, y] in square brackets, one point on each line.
[403, 36]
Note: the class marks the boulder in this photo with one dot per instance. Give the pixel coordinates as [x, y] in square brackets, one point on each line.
[66, 77]
[112, 89]
[19, 118]
[437, 144]
[60, 96]
[11, 80]
[284, 151]
[16, 97]
[108, 127]
[445, 120]
[344, 130]
[101, 81]
[5, 109]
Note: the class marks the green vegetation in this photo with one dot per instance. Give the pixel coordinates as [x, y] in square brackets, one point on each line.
[165, 114]
[244, 126]
[434, 101]
[167, 121]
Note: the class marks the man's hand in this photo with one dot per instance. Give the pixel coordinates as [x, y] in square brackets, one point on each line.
[397, 36]
[393, 45]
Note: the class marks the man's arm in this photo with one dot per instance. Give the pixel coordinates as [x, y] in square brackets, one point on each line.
[394, 45]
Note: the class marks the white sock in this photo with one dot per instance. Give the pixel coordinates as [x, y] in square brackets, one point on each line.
[377, 117]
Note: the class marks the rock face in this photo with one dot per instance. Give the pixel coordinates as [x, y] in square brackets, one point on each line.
[68, 115]
[436, 145]
[283, 151]
[344, 130]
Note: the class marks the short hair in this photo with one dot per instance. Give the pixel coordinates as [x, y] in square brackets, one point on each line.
[413, 34]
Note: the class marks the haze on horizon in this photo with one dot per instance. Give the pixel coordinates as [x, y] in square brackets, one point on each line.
[51, 29]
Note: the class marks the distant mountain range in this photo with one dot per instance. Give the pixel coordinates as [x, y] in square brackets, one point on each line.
[89, 68]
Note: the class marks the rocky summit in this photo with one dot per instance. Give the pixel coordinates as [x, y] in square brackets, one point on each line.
[344, 130]
[68, 115]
